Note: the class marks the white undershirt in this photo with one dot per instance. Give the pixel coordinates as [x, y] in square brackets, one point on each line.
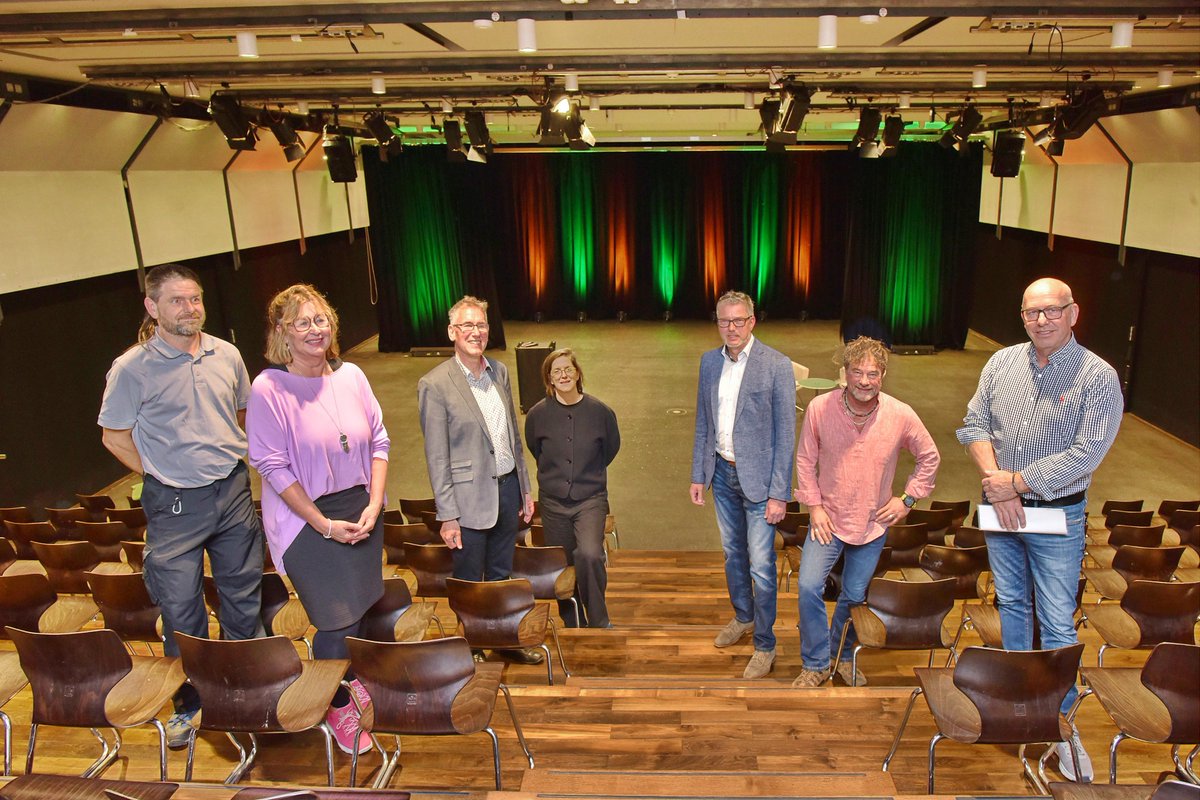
[727, 398]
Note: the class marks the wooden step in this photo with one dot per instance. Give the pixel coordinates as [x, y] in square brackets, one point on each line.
[704, 784]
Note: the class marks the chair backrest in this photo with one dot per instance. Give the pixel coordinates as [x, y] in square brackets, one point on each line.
[412, 684]
[274, 597]
[96, 504]
[429, 520]
[537, 535]
[66, 563]
[937, 520]
[791, 523]
[1146, 563]
[1165, 509]
[968, 536]
[1140, 535]
[432, 564]
[133, 553]
[1018, 692]
[379, 623]
[65, 520]
[1125, 517]
[24, 534]
[541, 566]
[71, 673]
[963, 564]
[239, 681]
[912, 612]
[16, 514]
[132, 518]
[125, 605]
[1183, 520]
[490, 611]
[393, 516]
[23, 600]
[799, 371]
[8, 554]
[411, 508]
[961, 509]
[106, 537]
[1120, 505]
[1172, 673]
[906, 542]
[394, 537]
[1164, 611]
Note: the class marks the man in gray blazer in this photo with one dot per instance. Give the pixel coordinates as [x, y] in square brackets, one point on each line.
[745, 435]
[473, 452]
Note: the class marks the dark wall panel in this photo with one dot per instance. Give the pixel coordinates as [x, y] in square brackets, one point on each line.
[57, 343]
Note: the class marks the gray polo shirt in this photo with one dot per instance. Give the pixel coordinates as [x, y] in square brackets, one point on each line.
[182, 409]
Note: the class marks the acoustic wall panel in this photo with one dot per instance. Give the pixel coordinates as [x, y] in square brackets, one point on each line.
[1090, 201]
[323, 207]
[1028, 197]
[263, 195]
[1164, 208]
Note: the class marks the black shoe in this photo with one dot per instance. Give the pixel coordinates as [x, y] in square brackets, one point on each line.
[526, 656]
[478, 656]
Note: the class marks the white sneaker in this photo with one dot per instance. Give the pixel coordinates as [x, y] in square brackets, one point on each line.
[1066, 764]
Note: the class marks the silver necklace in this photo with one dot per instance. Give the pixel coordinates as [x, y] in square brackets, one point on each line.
[343, 440]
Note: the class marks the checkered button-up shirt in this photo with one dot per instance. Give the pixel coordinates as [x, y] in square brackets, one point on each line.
[1053, 424]
[487, 396]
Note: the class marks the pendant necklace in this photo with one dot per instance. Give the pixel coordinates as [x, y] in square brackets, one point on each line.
[343, 440]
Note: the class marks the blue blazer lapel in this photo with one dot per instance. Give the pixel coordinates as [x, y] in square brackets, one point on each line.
[749, 379]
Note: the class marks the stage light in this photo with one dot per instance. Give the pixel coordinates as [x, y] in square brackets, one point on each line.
[378, 85]
[455, 152]
[1008, 150]
[526, 35]
[968, 121]
[293, 148]
[979, 78]
[390, 144]
[579, 136]
[893, 129]
[1122, 35]
[826, 32]
[225, 111]
[247, 44]
[1166, 77]
[789, 112]
[1077, 116]
[339, 156]
[550, 129]
[481, 138]
[868, 127]
[561, 105]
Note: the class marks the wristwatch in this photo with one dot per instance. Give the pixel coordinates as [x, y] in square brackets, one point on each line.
[908, 500]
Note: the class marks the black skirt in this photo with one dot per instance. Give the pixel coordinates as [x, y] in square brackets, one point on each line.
[337, 582]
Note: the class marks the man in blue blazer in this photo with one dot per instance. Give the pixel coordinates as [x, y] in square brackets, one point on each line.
[745, 437]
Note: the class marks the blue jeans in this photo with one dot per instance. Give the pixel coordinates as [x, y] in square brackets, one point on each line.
[817, 637]
[749, 544]
[1043, 570]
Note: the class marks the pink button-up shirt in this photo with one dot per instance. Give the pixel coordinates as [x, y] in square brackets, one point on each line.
[850, 472]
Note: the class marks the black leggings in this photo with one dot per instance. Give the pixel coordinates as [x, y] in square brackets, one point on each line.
[332, 644]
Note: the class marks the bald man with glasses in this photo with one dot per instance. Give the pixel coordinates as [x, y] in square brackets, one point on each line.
[1041, 421]
[745, 434]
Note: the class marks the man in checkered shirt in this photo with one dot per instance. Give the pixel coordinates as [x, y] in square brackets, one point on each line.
[1039, 425]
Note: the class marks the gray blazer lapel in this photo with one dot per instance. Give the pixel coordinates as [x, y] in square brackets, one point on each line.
[749, 378]
[460, 382]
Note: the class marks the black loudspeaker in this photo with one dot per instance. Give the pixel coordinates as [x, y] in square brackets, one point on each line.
[1007, 154]
[530, 356]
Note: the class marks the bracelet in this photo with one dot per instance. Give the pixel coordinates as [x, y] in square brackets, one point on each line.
[329, 533]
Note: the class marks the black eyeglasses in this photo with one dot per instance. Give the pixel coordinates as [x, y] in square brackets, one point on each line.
[1051, 312]
[736, 322]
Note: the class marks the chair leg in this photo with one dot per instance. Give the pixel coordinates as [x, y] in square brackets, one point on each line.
[191, 755]
[1100, 655]
[575, 607]
[328, 736]
[903, 724]
[1038, 779]
[162, 749]
[837, 660]
[33, 730]
[512, 713]
[1112, 756]
[549, 664]
[558, 646]
[388, 768]
[854, 664]
[107, 756]
[245, 760]
[495, 755]
[1187, 764]
[308, 649]
[937, 737]
[441, 630]
[1087, 692]
[7, 743]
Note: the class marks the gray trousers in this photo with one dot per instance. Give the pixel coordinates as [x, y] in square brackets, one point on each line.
[578, 527]
[181, 524]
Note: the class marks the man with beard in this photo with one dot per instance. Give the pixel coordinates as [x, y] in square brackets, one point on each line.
[845, 464]
[173, 411]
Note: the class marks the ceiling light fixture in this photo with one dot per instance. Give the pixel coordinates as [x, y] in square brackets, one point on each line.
[594, 103]
[482, 23]
[868, 19]
[1166, 77]
[247, 44]
[302, 107]
[978, 78]
[748, 100]
[526, 35]
[378, 85]
[826, 32]
[571, 81]
[905, 100]
[190, 89]
[447, 107]
[1122, 35]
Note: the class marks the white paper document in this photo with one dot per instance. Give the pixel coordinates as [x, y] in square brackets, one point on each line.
[1037, 520]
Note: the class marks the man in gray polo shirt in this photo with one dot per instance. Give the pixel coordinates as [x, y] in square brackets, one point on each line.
[173, 411]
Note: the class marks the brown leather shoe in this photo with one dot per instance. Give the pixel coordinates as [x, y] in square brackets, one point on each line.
[526, 655]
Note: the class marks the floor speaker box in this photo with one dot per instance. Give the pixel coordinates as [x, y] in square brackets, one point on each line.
[530, 356]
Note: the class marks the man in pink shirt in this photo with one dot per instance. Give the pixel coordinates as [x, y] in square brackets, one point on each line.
[845, 464]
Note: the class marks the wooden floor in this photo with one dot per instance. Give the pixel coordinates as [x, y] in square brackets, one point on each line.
[652, 695]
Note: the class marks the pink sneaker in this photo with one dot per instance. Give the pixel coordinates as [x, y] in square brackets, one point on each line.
[344, 722]
[360, 694]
